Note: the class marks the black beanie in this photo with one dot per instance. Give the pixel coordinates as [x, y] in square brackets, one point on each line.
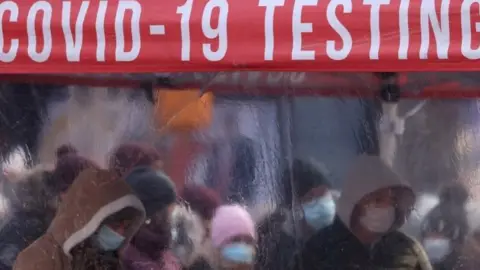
[153, 188]
[306, 176]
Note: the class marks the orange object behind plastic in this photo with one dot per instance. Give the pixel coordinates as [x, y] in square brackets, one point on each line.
[183, 110]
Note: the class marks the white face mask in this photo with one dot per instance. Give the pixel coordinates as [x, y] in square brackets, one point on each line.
[378, 219]
[437, 248]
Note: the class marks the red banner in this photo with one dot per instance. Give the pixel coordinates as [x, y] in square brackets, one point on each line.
[211, 35]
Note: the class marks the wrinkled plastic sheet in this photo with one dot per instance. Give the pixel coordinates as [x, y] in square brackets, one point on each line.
[328, 118]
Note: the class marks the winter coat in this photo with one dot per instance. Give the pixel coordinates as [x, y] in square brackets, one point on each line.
[200, 264]
[93, 197]
[31, 211]
[239, 188]
[149, 249]
[190, 243]
[451, 222]
[133, 259]
[22, 230]
[277, 242]
[336, 247]
[469, 258]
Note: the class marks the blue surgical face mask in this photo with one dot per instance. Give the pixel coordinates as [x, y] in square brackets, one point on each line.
[320, 212]
[108, 239]
[241, 253]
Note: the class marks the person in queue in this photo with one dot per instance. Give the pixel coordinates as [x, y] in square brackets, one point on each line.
[231, 164]
[445, 228]
[97, 216]
[192, 223]
[68, 167]
[128, 156]
[188, 234]
[30, 208]
[304, 185]
[150, 247]
[33, 197]
[233, 238]
[374, 204]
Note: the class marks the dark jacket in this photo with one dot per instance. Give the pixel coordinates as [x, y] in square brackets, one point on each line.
[336, 247]
[449, 219]
[31, 211]
[22, 230]
[469, 258]
[200, 264]
[277, 244]
[190, 243]
[242, 170]
[134, 259]
[451, 222]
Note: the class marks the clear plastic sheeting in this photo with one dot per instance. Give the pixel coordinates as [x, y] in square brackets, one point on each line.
[104, 116]
[296, 149]
[252, 123]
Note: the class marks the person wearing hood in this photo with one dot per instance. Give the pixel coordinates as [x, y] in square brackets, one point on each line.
[233, 238]
[98, 215]
[192, 224]
[373, 205]
[34, 197]
[282, 232]
[150, 247]
[445, 228]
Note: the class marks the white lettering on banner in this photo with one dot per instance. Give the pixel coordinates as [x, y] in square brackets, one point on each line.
[300, 27]
[9, 56]
[220, 32]
[404, 33]
[441, 30]
[73, 46]
[120, 54]
[100, 30]
[185, 11]
[45, 22]
[375, 26]
[270, 6]
[46, 9]
[342, 31]
[466, 19]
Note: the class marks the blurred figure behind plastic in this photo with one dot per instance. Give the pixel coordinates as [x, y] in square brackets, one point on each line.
[445, 228]
[231, 164]
[282, 233]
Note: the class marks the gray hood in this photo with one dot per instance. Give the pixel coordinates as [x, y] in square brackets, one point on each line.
[368, 174]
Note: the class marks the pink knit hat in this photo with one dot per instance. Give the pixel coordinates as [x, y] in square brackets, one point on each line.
[230, 221]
